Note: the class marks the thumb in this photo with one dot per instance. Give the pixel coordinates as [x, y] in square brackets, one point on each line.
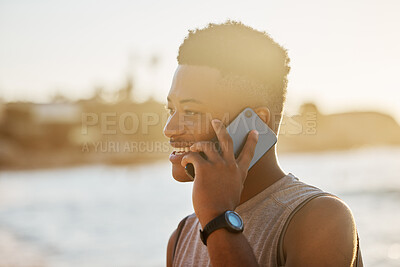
[194, 158]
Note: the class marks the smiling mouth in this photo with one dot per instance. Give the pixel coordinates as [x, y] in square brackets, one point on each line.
[180, 150]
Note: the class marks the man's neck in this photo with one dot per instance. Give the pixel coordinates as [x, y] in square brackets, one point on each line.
[263, 174]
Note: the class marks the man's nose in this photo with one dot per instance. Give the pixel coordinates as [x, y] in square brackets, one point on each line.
[174, 126]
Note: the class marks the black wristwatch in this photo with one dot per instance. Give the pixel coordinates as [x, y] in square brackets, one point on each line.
[229, 220]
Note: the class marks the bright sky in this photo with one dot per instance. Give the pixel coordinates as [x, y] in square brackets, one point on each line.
[344, 54]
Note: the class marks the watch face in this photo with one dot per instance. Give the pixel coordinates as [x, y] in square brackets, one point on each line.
[234, 219]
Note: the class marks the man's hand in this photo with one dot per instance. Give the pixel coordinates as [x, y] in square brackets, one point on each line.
[219, 179]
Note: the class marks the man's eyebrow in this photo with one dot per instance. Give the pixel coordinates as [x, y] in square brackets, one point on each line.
[186, 100]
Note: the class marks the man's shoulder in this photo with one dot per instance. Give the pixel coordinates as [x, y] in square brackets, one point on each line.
[187, 222]
[172, 242]
[325, 224]
[292, 191]
[324, 210]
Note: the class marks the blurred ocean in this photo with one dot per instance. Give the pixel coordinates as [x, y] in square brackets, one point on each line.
[123, 216]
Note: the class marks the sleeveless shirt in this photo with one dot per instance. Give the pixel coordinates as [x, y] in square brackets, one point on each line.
[264, 217]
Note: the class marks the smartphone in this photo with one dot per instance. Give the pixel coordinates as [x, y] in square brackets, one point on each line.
[238, 129]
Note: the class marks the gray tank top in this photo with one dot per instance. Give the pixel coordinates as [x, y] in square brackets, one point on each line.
[265, 217]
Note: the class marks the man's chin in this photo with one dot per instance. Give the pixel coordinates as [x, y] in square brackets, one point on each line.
[179, 174]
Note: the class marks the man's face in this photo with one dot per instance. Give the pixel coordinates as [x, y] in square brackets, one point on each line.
[193, 101]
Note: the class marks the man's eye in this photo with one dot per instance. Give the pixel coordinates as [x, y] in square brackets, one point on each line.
[170, 110]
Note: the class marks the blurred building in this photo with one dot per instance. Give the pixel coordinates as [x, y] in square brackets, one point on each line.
[311, 130]
[55, 134]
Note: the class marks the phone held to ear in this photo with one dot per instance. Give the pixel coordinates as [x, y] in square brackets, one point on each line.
[238, 129]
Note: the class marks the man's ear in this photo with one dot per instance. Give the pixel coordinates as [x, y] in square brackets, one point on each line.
[263, 113]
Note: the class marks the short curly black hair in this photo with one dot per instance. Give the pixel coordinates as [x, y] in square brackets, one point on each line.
[240, 51]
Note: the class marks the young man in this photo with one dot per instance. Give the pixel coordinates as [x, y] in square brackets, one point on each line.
[222, 70]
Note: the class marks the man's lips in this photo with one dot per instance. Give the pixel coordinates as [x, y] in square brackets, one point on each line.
[176, 158]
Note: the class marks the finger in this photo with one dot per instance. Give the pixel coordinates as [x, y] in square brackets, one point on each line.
[208, 148]
[247, 153]
[225, 140]
[193, 158]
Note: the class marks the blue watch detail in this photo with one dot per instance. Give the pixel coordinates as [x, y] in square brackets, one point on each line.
[234, 219]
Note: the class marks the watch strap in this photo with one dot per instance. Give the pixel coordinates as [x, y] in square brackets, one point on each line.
[221, 221]
[215, 224]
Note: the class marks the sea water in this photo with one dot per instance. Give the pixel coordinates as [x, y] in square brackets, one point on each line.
[123, 216]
